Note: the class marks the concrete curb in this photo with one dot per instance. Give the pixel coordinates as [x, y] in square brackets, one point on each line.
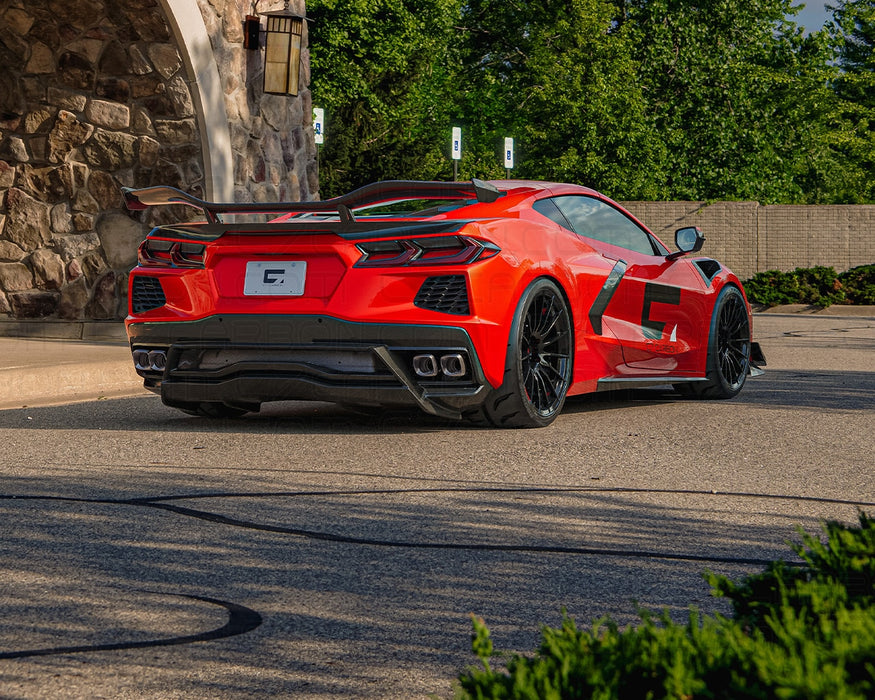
[835, 311]
[63, 330]
[40, 372]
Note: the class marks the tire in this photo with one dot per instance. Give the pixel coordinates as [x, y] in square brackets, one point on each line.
[539, 361]
[729, 347]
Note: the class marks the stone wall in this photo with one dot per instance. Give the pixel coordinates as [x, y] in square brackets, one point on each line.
[95, 95]
[271, 135]
[751, 238]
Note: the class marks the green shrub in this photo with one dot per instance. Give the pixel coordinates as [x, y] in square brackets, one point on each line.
[859, 283]
[770, 288]
[797, 632]
[818, 286]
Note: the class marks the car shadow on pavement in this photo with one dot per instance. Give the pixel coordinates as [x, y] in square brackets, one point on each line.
[798, 389]
[816, 390]
[812, 389]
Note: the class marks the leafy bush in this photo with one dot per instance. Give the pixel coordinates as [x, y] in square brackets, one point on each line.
[818, 286]
[859, 283]
[797, 632]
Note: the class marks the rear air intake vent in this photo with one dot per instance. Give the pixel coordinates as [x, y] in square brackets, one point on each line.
[447, 294]
[146, 294]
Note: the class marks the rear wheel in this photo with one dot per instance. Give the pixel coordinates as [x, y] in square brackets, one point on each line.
[729, 347]
[539, 361]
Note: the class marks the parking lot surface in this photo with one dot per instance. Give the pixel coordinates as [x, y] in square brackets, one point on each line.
[312, 552]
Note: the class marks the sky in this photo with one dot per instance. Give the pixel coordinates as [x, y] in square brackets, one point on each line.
[813, 16]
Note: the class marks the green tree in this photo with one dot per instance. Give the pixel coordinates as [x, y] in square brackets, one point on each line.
[854, 27]
[558, 77]
[739, 96]
[852, 33]
[649, 99]
[380, 70]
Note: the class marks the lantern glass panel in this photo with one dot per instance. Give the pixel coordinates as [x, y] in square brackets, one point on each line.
[282, 54]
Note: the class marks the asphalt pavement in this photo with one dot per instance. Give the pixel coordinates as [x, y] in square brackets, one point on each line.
[95, 363]
[312, 552]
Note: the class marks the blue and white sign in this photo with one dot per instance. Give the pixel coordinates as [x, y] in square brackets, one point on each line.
[508, 153]
[456, 150]
[319, 124]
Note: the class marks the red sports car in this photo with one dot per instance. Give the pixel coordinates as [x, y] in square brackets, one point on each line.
[487, 301]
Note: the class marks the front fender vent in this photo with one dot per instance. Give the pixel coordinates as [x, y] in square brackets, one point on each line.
[708, 268]
[446, 294]
[146, 294]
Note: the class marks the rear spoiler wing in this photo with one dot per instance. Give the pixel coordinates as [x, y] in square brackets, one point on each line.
[384, 192]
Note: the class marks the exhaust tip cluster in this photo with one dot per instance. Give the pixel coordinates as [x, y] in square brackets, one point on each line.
[150, 360]
[451, 365]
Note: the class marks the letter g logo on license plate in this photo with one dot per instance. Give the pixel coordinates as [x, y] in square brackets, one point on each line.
[275, 278]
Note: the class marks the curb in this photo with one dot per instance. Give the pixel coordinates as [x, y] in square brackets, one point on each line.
[63, 330]
[43, 372]
[806, 310]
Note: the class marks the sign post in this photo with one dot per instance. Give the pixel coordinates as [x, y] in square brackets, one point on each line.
[508, 156]
[318, 130]
[319, 125]
[456, 151]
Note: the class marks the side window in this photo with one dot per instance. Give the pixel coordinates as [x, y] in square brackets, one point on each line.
[548, 208]
[593, 218]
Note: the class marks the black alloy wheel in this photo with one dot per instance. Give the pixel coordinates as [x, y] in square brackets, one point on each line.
[539, 361]
[544, 352]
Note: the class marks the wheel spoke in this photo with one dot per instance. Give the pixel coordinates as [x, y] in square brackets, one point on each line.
[556, 372]
[545, 352]
[733, 341]
[545, 314]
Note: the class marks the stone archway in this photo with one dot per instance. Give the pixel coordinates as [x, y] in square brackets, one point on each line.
[99, 94]
[190, 32]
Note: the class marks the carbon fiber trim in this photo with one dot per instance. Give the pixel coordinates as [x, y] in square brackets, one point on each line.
[250, 359]
[375, 193]
[597, 310]
[357, 230]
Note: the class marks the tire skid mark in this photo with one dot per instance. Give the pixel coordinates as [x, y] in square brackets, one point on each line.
[240, 621]
[155, 500]
[162, 503]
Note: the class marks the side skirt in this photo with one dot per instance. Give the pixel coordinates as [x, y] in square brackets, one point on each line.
[643, 382]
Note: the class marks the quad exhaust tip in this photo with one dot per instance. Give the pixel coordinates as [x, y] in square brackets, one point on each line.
[451, 365]
[146, 360]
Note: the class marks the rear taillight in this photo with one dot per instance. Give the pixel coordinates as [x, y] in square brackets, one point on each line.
[157, 252]
[438, 250]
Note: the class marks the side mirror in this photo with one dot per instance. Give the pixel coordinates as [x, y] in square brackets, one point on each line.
[687, 240]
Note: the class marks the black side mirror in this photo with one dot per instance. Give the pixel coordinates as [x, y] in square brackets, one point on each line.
[688, 240]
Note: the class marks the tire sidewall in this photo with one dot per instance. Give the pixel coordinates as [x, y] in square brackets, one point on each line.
[722, 388]
[513, 382]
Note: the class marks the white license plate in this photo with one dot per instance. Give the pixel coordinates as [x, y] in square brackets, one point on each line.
[275, 278]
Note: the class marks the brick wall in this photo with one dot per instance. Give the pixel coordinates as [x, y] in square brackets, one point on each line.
[751, 238]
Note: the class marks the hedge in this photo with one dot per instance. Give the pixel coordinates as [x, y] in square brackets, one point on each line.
[818, 286]
[796, 631]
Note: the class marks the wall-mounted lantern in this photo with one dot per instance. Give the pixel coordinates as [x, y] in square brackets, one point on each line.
[282, 52]
[282, 49]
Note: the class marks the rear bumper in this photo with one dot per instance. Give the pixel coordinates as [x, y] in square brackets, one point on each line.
[245, 360]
